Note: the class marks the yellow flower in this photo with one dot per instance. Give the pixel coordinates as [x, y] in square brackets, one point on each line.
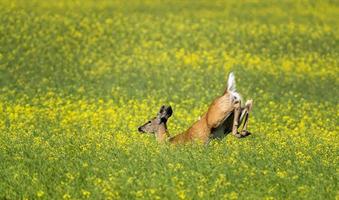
[66, 196]
[40, 193]
[85, 193]
[181, 194]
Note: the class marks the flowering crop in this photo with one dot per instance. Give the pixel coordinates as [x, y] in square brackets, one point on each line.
[78, 77]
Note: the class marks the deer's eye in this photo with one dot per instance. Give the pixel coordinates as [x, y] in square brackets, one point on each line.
[149, 121]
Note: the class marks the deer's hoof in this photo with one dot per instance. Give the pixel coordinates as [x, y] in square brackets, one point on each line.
[245, 133]
[238, 135]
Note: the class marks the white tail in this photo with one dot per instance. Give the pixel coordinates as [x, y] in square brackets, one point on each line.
[231, 86]
[231, 83]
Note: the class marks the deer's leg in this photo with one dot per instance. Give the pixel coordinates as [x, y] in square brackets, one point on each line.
[237, 110]
[244, 116]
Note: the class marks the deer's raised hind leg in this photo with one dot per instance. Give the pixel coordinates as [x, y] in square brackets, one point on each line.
[240, 115]
[237, 111]
[244, 116]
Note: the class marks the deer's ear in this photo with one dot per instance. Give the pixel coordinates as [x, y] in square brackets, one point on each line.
[162, 109]
[169, 111]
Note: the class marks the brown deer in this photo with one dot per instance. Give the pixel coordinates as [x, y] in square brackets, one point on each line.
[223, 116]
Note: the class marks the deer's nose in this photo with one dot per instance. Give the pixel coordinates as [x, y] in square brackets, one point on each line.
[140, 130]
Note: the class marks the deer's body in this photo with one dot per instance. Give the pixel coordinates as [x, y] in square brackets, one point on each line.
[209, 123]
[198, 131]
[223, 116]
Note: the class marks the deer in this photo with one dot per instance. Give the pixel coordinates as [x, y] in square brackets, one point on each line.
[224, 115]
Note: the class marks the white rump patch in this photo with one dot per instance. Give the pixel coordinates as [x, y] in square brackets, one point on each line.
[235, 96]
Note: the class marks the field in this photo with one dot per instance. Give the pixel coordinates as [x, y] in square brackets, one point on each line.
[78, 77]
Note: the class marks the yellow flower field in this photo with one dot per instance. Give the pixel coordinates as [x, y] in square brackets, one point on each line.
[77, 78]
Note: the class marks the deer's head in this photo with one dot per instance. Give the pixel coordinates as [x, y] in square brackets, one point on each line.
[158, 123]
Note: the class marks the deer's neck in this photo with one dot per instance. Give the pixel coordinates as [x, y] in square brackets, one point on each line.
[162, 134]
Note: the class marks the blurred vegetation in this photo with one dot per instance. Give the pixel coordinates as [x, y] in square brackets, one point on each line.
[78, 77]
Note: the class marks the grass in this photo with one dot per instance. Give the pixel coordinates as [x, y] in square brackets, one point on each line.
[78, 77]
